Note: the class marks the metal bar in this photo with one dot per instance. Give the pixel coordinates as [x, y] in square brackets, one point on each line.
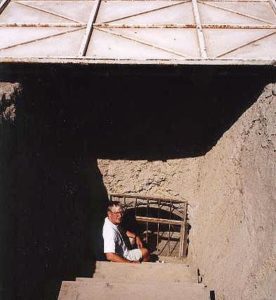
[39, 39]
[246, 1]
[143, 42]
[158, 225]
[118, 25]
[238, 26]
[119, 0]
[38, 25]
[185, 242]
[148, 197]
[183, 235]
[200, 35]
[3, 5]
[48, 12]
[185, 26]
[236, 12]
[89, 28]
[141, 26]
[158, 220]
[169, 238]
[262, 61]
[246, 44]
[147, 11]
[155, 0]
[181, 243]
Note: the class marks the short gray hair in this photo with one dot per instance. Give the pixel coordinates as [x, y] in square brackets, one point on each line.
[113, 204]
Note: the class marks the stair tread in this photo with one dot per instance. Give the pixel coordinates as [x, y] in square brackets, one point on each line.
[153, 275]
[144, 271]
[107, 264]
[144, 282]
[102, 290]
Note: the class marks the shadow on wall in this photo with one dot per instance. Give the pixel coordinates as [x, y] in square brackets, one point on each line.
[57, 195]
[60, 209]
[156, 116]
[66, 120]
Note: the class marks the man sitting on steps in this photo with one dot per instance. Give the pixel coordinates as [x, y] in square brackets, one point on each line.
[115, 248]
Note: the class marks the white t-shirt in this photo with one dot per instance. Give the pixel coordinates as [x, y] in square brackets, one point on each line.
[113, 240]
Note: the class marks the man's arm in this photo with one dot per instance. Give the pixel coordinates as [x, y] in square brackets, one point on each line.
[138, 241]
[117, 258]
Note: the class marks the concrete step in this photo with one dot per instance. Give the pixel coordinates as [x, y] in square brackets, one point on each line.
[135, 291]
[145, 272]
[168, 264]
[143, 281]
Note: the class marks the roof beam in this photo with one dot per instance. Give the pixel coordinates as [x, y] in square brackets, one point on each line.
[200, 34]
[40, 25]
[89, 28]
[206, 26]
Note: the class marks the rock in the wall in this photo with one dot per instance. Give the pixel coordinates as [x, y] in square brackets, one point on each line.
[8, 94]
[233, 231]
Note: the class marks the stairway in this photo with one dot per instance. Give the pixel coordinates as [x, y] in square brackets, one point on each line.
[147, 281]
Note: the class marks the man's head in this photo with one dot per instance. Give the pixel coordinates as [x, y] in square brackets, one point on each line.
[115, 212]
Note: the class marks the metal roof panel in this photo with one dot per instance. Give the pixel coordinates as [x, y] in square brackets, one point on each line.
[139, 31]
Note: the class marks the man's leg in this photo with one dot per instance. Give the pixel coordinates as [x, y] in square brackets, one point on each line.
[140, 254]
[145, 254]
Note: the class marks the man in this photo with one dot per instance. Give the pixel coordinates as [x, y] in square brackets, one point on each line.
[115, 248]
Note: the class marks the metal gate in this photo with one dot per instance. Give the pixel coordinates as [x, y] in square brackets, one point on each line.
[162, 222]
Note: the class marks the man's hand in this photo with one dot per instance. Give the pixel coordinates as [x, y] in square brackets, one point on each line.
[139, 242]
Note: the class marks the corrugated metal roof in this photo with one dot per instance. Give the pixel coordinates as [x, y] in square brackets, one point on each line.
[139, 31]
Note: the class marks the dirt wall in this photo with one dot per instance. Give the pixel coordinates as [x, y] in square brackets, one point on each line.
[231, 191]
[9, 95]
[233, 233]
[175, 178]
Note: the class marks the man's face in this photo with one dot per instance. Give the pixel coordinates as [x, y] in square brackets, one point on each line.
[115, 215]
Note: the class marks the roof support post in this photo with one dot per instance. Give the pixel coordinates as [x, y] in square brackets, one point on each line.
[200, 34]
[89, 28]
